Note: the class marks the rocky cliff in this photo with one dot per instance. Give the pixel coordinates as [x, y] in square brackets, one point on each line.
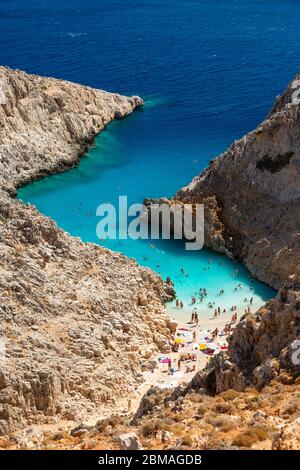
[255, 185]
[265, 346]
[78, 322]
[47, 124]
[256, 189]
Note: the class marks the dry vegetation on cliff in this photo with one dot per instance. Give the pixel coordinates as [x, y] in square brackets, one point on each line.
[188, 419]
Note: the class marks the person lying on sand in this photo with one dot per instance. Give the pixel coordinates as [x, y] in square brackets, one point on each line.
[190, 369]
[188, 357]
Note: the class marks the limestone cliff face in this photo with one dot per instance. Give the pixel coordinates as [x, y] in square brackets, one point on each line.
[256, 185]
[47, 124]
[257, 191]
[78, 322]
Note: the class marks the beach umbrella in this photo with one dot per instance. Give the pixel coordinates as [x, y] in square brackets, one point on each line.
[202, 346]
[178, 340]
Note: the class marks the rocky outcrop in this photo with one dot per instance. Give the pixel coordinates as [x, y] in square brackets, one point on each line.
[257, 192]
[47, 124]
[255, 185]
[213, 227]
[263, 347]
[74, 333]
[130, 441]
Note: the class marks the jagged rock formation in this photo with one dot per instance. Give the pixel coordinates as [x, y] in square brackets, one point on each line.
[262, 348]
[185, 421]
[47, 124]
[257, 192]
[213, 227]
[78, 322]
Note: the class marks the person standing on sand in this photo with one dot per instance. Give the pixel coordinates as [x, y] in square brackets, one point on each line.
[215, 333]
[169, 366]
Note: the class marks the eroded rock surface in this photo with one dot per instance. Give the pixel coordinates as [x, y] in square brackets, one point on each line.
[74, 333]
[256, 189]
[264, 346]
[47, 124]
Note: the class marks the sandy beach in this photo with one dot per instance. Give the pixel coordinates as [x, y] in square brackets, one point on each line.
[195, 348]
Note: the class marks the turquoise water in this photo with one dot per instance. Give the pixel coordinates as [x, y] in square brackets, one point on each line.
[120, 165]
[208, 71]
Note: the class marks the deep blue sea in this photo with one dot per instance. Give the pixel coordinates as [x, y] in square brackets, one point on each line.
[208, 72]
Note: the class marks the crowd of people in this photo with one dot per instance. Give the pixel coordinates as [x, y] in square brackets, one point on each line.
[212, 305]
[193, 343]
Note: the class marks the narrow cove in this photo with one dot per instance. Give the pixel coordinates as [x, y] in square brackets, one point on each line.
[123, 163]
